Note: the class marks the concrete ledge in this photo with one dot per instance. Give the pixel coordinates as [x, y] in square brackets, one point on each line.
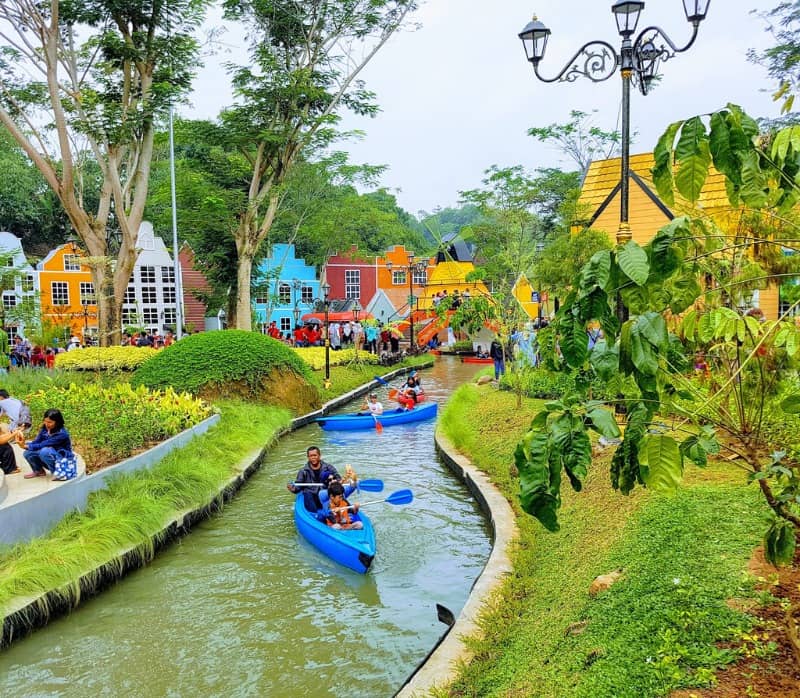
[36, 515]
[441, 665]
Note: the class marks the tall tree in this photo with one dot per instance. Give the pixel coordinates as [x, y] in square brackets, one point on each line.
[306, 58]
[782, 60]
[83, 81]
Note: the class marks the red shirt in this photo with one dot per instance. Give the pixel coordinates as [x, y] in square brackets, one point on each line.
[313, 336]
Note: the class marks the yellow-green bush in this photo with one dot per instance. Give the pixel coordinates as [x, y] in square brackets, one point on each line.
[104, 358]
[315, 356]
[109, 424]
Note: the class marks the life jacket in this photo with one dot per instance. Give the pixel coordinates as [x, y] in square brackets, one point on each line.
[340, 516]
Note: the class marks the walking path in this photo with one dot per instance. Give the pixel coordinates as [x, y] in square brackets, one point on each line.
[15, 488]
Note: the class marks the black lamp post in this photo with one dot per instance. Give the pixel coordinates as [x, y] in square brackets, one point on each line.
[85, 304]
[326, 289]
[638, 60]
[539, 250]
[356, 314]
[296, 286]
[410, 269]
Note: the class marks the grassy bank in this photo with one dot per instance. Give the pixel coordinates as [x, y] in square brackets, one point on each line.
[136, 507]
[656, 629]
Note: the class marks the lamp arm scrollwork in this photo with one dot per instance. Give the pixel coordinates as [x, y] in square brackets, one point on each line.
[653, 45]
[596, 60]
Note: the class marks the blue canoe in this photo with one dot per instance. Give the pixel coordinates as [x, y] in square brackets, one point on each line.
[353, 549]
[354, 422]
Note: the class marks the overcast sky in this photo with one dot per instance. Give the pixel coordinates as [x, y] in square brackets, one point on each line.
[458, 95]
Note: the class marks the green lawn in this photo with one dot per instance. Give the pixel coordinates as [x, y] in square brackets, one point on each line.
[656, 629]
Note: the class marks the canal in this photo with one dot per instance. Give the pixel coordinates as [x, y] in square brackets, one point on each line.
[244, 607]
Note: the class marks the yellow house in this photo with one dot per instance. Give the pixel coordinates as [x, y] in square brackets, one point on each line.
[450, 277]
[67, 292]
[600, 197]
[525, 294]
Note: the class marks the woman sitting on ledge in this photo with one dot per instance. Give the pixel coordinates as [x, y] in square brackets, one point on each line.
[43, 452]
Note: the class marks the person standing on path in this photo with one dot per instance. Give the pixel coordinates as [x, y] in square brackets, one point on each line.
[497, 353]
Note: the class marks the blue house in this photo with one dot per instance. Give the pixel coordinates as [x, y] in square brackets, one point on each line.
[285, 289]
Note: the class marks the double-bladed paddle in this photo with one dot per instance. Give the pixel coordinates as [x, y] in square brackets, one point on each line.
[366, 485]
[396, 498]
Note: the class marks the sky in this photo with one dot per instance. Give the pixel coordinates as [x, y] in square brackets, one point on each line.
[457, 95]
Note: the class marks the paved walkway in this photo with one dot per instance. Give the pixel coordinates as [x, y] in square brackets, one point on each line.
[18, 488]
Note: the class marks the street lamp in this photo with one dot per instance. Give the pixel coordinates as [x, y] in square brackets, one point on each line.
[326, 289]
[410, 269]
[296, 286]
[356, 314]
[638, 60]
[539, 250]
[85, 304]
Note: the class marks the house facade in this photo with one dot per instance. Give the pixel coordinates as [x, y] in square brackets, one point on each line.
[194, 286]
[150, 298]
[600, 199]
[67, 294]
[18, 281]
[286, 289]
[351, 276]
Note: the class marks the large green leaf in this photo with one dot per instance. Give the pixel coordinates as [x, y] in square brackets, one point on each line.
[791, 404]
[720, 146]
[635, 298]
[754, 184]
[779, 543]
[660, 462]
[662, 171]
[605, 360]
[643, 354]
[654, 329]
[632, 259]
[603, 422]
[693, 137]
[574, 342]
[596, 271]
[692, 173]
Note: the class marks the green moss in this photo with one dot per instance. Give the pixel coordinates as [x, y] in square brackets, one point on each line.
[655, 630]
[216, 359]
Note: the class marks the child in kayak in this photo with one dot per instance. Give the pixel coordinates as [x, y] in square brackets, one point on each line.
[338, 516]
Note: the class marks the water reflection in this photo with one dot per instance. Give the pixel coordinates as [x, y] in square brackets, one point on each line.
[244, 606]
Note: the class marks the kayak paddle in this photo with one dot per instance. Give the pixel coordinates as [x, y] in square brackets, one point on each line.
[366, 485]
[378, 425]
[380, 380]
[396, 498]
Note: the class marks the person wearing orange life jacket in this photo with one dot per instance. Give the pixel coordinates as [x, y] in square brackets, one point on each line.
[338, 516]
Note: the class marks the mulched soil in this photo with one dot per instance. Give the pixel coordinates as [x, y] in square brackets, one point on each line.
[775, 676]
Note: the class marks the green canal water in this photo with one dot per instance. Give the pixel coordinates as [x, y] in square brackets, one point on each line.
[243, 607]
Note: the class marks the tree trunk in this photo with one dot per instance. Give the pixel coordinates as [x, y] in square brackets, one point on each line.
[243, 307]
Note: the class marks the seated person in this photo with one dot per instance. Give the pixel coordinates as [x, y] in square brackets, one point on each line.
[338, 515]
[8, 460]
[371, 406]
[480, 353]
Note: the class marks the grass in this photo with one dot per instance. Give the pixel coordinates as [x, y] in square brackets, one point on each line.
[136, 507]
[654, 630]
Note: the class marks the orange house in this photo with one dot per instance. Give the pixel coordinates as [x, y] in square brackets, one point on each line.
[394, 282]
[67, 292]
[647, 213]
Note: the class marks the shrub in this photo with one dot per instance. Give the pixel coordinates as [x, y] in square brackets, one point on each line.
[233, 363]
[104, 358]
[315, 356]
[109, 424]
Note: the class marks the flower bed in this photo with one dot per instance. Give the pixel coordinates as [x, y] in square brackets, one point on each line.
[108, 424]
[315, 356]
[104, 358]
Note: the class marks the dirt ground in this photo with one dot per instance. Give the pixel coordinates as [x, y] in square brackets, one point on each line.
[776, 675]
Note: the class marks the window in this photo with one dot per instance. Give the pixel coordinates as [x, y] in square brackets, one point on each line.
[149, 294]
[13, 332]
[307, 294]
[130, 295]
[169, 294]
[167, 275]
[9, 300]
[150, 316]
[130, 317]
[87, 293]
[72, 262]
[147, 275]
[170, 316]
[27, 284]
[398, 277]
[263, 327]
[285, 294]
[286, 324]
[59, 290]
[352, 283]
[262, 300]
[420, 277]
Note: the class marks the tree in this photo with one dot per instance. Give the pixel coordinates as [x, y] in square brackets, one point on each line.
[305, 67]
[782, 60]
[555, 269]
[641, 362]
[579, 138]
[104, 73]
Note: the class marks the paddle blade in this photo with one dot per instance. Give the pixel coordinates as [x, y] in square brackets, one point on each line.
[370, 485]
[393, 393]
[380, 380]
[378, 425]
[400, 497]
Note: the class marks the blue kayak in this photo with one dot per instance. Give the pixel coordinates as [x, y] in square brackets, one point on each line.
[353, 549]
[354, 422]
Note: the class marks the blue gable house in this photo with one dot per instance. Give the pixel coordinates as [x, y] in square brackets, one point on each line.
[286, 288]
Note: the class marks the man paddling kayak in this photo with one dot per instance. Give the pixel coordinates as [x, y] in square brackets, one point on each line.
[317, 472]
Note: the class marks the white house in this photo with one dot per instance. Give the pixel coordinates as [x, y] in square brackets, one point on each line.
[19, 282]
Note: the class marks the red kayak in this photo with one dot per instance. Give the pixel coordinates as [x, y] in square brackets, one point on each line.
[476, 360]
